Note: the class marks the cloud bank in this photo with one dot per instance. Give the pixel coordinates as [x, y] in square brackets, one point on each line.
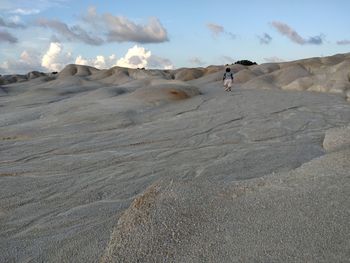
[121, 29]
[73, 34]
[97, 29]
[291, 34]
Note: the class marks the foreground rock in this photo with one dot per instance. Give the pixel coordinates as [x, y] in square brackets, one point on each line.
[298, 216]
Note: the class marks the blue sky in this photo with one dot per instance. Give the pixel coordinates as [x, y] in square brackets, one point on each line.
[46, 35]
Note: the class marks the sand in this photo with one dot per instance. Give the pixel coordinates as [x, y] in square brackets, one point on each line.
[132, 165]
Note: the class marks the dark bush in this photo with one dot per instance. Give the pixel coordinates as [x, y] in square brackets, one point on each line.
[245, 62]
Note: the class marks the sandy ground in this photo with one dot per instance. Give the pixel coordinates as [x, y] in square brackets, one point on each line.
[126, 165]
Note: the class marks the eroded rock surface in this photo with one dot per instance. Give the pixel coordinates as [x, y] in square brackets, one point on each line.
[127, 165]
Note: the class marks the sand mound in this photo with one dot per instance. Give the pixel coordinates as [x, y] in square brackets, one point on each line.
[244, 75]
[34, 75]
[154, 94]
[150, 74]
[333, 79]
[106, 92]
[186, 74]
[299, 84]
[76, 70]
[115, 76]
[265, 68]
[286, 75]
[162, 91]
[278, 78]
[213, 69]
[332, 60]
[119, 75]
[261, 82]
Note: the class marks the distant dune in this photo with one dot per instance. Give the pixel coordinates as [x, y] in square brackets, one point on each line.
[146, 165]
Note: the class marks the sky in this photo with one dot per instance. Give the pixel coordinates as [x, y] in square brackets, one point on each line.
[46, 35]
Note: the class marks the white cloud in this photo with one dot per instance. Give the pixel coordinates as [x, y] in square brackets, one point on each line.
[136, 57]
[55, 59]
[23, 11]
[22, 7]
[99, 62]
[81, 61]
[49, 59]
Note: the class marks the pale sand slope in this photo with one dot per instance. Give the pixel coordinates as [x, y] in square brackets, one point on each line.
[126, 165]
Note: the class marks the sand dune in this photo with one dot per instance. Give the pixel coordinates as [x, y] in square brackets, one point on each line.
[135, 165]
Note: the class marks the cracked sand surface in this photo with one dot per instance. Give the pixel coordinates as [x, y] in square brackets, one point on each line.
[94, 168]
